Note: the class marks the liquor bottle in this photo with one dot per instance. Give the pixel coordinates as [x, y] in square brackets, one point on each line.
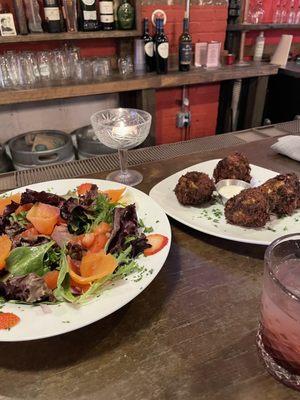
[161, 49]
[52, 12]
[149, 47]
[87, 18]
[107, 18]
[185, 48]
[70, 14]
[234, 11]
[21, 17]
[125, 15]
[32, 10]
[259, 47]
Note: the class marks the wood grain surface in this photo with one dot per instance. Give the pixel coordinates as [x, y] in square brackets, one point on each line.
[116, 84]
[189, 335]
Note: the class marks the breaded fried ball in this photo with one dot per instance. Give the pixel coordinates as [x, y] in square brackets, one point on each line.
[235, 166]
[283, 193]
[250, 208]
[194, 188]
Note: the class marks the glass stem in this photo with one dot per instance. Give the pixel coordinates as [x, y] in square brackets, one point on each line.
[123, 157]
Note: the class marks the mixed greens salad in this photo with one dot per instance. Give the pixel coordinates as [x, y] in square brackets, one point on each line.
[67, 248]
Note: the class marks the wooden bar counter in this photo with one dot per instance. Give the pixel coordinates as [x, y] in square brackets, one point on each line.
[189, 335]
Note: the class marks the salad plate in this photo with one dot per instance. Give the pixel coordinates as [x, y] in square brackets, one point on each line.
[210, 218]
[48, 319]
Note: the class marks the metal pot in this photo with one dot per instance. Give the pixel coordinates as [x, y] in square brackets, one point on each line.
[5, 161]
[24, 157]
[88, 145]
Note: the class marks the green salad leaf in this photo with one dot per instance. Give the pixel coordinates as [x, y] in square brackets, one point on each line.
[63, 290]
[19, 218]
[103, 211]
[24, 260]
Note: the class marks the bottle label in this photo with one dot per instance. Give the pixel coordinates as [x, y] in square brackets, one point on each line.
[88, 2]
[163, 50]
[185, 53]
[52, 13]
[107, 19]
[106, 7]
[149, 49]
[90, 15]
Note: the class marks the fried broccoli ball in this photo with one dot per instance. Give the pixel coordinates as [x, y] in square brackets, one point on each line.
[194, 188]
[235, 166]
[249, 208]
[283, 193]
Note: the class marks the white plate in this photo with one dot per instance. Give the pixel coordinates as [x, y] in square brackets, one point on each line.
[64, 317]
[204, 220]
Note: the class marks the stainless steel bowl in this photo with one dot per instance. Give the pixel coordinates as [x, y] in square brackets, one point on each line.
[230, 182]
[23, 157]
[88, 144]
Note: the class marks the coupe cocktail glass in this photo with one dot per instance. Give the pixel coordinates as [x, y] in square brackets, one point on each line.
[278, 337]
[122, 129]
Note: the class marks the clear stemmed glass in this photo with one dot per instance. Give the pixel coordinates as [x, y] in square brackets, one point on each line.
[122, 129]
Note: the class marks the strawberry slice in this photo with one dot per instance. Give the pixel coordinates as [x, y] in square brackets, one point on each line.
[157, 243]
[8, 320]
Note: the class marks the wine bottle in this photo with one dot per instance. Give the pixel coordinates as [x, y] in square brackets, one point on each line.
[162, 49]
[87, 18]
[185, 48]
[52, 12]
[107, 15]
[125, 15]
[149, 47]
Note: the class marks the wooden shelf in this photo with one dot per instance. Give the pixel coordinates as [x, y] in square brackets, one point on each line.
[45, 37]
[260, 27]
[149, 81]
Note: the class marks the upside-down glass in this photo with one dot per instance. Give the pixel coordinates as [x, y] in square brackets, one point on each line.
[122, 129]
[278, 337]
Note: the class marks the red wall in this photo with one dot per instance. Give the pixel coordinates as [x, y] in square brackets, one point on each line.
[207, 23]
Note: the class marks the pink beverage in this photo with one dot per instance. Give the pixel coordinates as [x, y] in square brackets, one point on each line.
[278, 338]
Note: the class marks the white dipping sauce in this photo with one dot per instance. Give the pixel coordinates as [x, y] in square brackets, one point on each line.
[230, 191]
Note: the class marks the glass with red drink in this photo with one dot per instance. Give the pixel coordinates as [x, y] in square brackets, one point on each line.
[278, 337]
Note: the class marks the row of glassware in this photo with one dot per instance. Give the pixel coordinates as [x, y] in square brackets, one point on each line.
[22, 69]
[284, 12]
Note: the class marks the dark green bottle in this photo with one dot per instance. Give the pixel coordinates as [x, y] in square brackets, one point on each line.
[125, 15]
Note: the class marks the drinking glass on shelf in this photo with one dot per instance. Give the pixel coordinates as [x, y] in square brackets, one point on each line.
[28, 77]
[101, 68]
[284, 14]
[32, 58]
[43, 58]
[256, 12]
[278, 337]
[292, 13]
[6, 78]
[13, 68]
[277, 13]
[297, 17]
[122, 129]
